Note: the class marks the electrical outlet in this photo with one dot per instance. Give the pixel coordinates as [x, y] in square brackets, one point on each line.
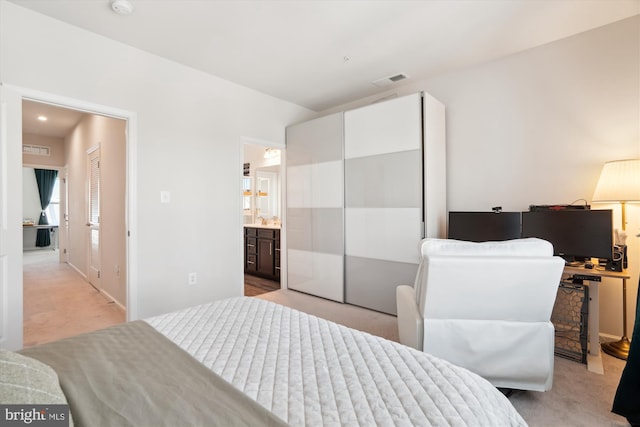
[193, 278]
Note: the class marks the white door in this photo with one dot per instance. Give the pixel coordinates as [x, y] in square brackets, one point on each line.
[10, 219]
[93, 217]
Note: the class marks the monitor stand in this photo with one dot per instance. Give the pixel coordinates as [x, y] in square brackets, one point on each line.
[572, 261]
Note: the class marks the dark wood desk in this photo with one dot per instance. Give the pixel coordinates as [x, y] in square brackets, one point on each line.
[594, 358]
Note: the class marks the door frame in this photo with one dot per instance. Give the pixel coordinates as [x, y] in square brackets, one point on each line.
[11, 98]
[247, 140]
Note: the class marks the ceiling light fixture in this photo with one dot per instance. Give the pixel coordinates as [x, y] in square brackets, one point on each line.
[42, 118]
[271, 153]
[122, 7]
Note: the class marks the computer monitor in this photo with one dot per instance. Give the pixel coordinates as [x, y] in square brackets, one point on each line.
[574, 234]
[484, 226]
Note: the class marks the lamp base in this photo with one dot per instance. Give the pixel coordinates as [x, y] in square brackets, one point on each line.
[619, 349]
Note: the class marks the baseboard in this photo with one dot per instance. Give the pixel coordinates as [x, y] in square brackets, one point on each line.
[608, 337]
[84, 276]
[112, 299]
[102, 291]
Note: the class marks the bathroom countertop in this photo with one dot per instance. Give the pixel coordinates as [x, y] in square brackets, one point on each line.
[271, 226]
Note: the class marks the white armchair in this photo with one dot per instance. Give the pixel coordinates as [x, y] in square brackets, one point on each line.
[487, 307]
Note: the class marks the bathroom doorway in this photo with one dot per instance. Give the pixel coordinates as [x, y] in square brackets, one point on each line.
[261, 213]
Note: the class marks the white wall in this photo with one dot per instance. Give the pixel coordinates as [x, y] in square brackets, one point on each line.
[536, 128]
[190, 127]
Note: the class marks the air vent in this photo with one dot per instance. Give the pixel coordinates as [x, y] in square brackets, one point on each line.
[387, 81]
[36, 150]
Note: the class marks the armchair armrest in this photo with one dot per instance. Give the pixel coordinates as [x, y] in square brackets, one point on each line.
[410, 322]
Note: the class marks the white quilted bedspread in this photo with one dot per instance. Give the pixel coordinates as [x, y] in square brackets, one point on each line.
[313, 372]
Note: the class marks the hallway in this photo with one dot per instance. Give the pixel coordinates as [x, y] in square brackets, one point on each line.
[59, 303]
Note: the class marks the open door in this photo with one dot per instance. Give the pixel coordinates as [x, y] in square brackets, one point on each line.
[93, 218]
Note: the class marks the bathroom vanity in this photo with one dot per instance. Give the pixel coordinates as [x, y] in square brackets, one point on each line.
[262, 251]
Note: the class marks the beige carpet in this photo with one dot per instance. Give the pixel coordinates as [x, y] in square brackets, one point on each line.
[59, 303]
[578, 397]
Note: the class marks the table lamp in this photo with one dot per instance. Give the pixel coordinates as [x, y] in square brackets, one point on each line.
[619, 183]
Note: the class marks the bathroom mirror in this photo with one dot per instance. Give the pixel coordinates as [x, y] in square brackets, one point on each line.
[267, 193]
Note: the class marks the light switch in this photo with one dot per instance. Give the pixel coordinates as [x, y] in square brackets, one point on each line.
[165, 197]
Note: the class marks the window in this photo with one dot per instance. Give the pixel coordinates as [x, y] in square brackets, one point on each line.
[53, 210]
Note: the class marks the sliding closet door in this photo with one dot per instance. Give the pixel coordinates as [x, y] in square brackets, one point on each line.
[315, 207]
[383, 200]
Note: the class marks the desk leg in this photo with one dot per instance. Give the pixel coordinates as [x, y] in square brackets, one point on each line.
[594, 357]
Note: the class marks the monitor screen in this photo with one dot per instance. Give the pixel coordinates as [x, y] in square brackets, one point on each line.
[484, 226]
[575, 234]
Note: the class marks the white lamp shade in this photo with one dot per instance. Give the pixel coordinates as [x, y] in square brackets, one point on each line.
[619, 182]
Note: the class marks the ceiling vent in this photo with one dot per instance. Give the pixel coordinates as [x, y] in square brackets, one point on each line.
[388, 81]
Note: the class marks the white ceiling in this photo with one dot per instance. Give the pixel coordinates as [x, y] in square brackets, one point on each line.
[320, 54]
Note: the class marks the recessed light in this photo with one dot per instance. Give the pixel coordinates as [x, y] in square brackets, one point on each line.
[42, 118]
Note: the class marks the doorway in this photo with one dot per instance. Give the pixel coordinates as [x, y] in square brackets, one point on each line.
[262, 218]
[55, 136]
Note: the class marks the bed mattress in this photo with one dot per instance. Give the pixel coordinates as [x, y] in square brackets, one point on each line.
[310, 372]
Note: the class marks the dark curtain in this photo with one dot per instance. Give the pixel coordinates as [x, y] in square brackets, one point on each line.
[627, 399]
[46, 180]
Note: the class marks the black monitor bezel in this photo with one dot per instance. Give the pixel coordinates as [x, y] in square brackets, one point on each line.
[576, 234]
[511, 228]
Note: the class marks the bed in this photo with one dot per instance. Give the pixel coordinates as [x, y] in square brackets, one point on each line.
[247, 361]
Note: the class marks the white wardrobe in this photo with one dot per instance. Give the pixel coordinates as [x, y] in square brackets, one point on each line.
[363, 188]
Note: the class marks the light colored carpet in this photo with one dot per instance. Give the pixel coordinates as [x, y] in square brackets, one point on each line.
[59, 303]
[579, 398]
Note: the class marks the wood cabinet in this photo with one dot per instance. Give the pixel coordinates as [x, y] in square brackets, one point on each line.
[262, 252]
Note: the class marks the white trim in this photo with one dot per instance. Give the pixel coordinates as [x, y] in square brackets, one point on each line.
[283, 207]
[94, 148]
[84, 276]
[113, 300]
[263, 142]
[131, 134]
[36, 166]
[66, 102]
